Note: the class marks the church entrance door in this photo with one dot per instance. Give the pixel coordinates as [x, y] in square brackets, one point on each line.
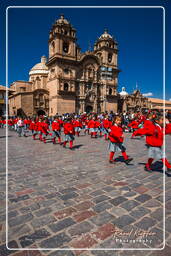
[41, 112]
[89, 109]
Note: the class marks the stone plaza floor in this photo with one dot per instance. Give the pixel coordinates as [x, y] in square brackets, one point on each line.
[58, 198]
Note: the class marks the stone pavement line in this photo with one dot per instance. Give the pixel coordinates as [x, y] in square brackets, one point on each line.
[56, 199]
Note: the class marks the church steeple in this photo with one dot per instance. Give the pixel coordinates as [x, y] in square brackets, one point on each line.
[62, 39]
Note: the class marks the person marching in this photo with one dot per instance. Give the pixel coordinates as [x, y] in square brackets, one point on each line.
[20, 125]
[154, 141]
[56, 130]
[69, 133]
[45, 129]
[34, 128]
[106, 126]
[116, 141]
[91, 126]
[77, 126]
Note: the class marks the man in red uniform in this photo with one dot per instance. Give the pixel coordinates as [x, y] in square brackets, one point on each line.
[56, 130]
[69, 133]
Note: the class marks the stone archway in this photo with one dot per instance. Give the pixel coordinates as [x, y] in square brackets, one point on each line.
[41, 112]
[89, 109]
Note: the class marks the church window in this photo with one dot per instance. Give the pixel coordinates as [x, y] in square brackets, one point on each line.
[110, 91]
[41, 97]
[65, 47]
[66, 71]
[65, 32]
[109, 57]
[66, 86]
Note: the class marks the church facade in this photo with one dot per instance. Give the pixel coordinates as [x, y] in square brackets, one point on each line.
[69, 81]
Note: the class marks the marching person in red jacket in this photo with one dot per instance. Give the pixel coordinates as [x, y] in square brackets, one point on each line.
[116, 141]
[154, 141]
[106, 126]
[45, 129]
[69, 133]
[56, 130]
[34, 128]
[77, 126]
[91, 126]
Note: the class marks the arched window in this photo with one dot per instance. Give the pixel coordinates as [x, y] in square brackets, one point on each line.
[110, 91]
[65, 47]
[109, 57]
[66, 86]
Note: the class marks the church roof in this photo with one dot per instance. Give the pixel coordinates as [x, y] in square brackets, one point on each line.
[39, 68]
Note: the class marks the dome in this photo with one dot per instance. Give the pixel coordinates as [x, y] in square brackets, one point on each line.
[40, 68]
[105, 35]
[123, 92]
[62, 20]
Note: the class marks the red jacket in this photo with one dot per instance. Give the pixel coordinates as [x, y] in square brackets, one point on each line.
[68, 128]
[91, 124]
[116, 134]
[77, 123]
[56, 126]
[97, 124]
[154, 134]
[134, 124]
[33, 126]
[168, 128]
[44, 128]
[106, 123]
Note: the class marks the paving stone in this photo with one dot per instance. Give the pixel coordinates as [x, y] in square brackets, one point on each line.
[19, 198]
[46, 203]
[84, 205]
[123, 221]
[130, 194]
[84, 215]
[118, 211]
[20, 220]
[80, 228]
[84, 242]
[61, 253]
[32, 207]
[139, 212]
[143, 198]
[16, 231]
[129, 205]
[146, 223]
[152, 204]
[100, 199]
[157, 215]
[4, 251]
[118, 200]
[58, 226]
[141, 189]
[102, 218]
[104, 231]
[65, 212]
[42, 212]
[67, 190]
[168, 224]
[97, 193]
[108, 188]
[102, 206]
[55, 241]
[42, 221]
[69, 196]
[27, 240]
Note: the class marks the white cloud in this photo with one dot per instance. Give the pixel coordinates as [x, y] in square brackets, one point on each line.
[147, 94]
[170, 99]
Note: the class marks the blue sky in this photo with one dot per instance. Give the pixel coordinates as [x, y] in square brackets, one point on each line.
[139, 33]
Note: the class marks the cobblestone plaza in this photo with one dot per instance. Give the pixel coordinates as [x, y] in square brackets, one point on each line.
[61, 198]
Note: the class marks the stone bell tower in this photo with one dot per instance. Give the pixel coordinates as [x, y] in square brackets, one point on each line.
[62, 39]
[106, 48]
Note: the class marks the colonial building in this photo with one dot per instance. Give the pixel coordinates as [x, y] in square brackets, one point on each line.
[132, 102]
[69, 81]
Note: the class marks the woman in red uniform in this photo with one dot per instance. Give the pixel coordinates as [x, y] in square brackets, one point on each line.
[69, 133]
